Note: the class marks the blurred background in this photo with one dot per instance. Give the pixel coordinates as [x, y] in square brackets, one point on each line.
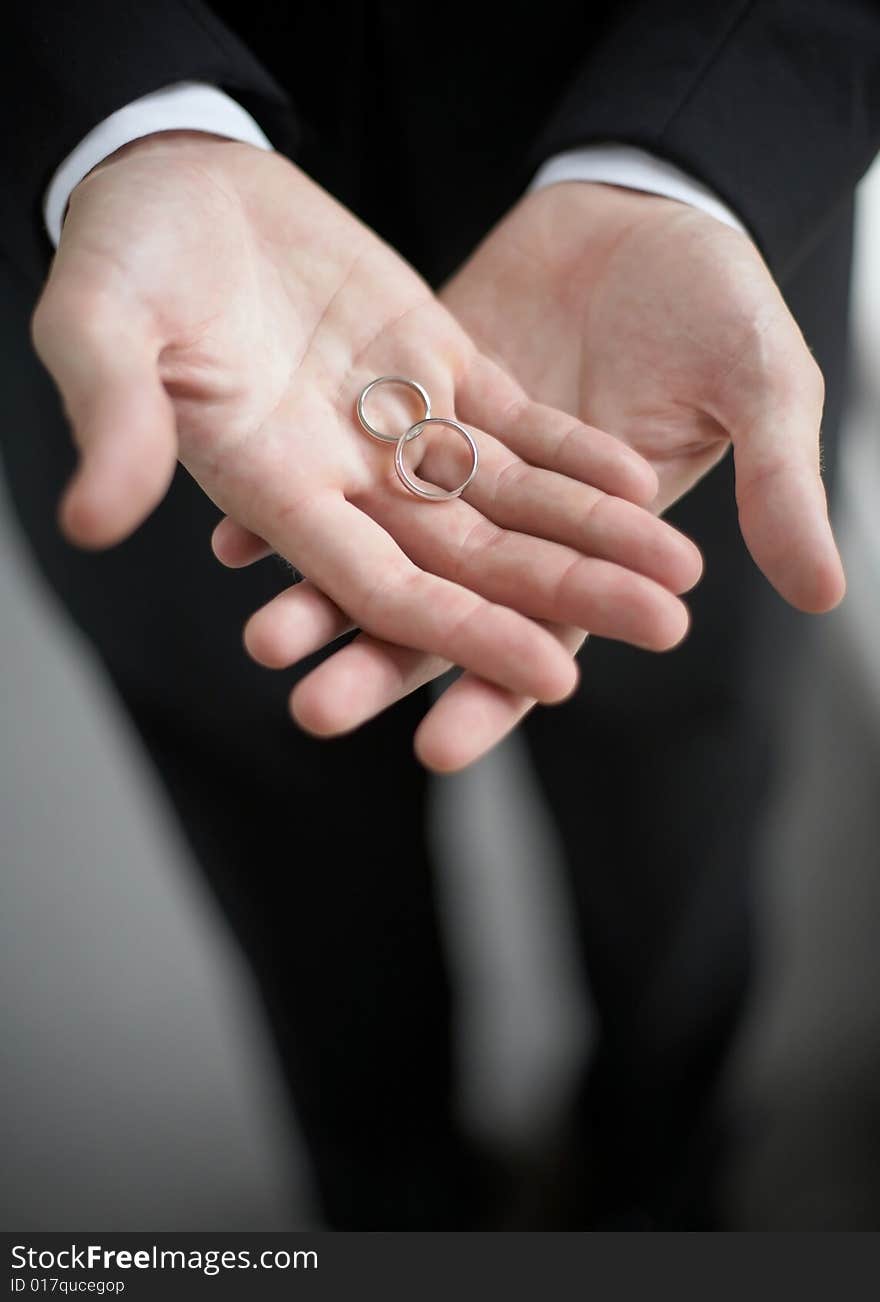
[138, 1090]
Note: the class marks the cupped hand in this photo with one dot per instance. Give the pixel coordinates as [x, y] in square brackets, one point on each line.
[209, 303]
[664, 326]
[660, 324]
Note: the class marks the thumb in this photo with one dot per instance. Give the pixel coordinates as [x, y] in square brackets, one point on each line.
[121, 417]
[783, 509]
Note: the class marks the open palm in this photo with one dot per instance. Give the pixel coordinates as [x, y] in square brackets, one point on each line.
[657, 322]
[649, 319]
[210, 304]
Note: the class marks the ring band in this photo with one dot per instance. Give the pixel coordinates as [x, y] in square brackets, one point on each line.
[410, 484]
[390, 379]
[437, 494]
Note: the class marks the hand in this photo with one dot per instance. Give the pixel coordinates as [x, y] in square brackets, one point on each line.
[657, 322]
[209, 303]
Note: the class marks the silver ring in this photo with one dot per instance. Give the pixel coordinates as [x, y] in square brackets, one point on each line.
[390, 379]
[437, 494]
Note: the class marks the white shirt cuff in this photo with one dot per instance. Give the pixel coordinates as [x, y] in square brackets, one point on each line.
[183, 106]
[635, 169]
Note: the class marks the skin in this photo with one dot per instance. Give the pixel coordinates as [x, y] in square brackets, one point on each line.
[209, 304]
[658, 323]
[664, 326]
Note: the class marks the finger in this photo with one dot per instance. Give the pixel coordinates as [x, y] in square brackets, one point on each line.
[472, 716]
[368, 676]
[541, 579]
[235, 546]
[783, 509]
[121, 417]
[358, 682]
[517, 496]
[295, 624]
[349, 687]
[366, 573]
[490, 399]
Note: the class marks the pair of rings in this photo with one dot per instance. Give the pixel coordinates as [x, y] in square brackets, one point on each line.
[402, 441]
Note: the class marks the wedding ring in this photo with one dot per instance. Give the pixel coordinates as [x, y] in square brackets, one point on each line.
[434, 494]
[389, 379]
[401, 441]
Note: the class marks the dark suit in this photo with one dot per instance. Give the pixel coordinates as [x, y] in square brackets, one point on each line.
[657, 771]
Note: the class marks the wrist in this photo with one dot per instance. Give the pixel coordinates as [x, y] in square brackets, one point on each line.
[178, 109]
[568, 201]
[631, 168]
[178, 145]
[158, 142]
[570, 218]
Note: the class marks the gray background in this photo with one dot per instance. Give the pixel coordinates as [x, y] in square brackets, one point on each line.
[137, 1089]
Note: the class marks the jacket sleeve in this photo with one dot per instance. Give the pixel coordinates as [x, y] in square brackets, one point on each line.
[774, 104]
[66, 67]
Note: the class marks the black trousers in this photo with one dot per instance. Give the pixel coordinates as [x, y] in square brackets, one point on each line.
[656, 774]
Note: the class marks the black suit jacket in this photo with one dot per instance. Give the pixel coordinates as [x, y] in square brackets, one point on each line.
[429, 120]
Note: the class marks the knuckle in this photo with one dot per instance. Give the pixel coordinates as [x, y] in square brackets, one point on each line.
[797, 382]
[470, 610]
[389, 598]
[477, 540]
[516, 405]
[604, 513]
[482, 536]
[815, 380]
[567, 437]
[510, 477]
[782, 366]
[571, 580]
